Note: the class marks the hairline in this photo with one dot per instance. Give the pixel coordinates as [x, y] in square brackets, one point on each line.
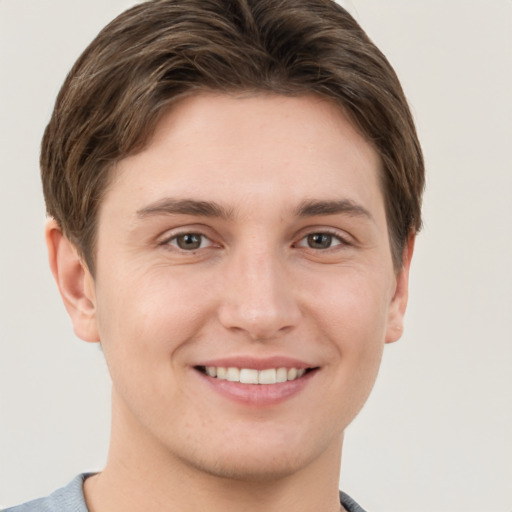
[89, 253]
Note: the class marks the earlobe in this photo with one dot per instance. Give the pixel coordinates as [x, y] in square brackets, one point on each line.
[399, 301]
[75, 283]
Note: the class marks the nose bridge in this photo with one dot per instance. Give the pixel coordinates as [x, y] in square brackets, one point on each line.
[258, 298]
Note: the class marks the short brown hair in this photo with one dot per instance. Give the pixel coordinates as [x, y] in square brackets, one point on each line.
[161, 50]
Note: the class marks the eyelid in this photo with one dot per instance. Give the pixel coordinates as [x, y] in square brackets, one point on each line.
[343, 237]
[204, 238]
[172, 234]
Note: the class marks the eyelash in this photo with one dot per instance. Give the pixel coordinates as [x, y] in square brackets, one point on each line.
[169, 241]
[334, 236]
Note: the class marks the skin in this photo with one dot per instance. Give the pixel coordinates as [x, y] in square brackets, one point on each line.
[254, 287]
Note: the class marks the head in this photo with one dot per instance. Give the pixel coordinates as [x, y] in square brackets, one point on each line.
[234, 185]
[160, 51]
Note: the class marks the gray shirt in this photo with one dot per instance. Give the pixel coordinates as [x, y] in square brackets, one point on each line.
[71, 499]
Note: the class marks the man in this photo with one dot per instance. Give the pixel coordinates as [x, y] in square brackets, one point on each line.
[233, 190]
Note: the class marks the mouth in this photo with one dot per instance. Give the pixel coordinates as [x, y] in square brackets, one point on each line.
[265, 377]
[255, 381]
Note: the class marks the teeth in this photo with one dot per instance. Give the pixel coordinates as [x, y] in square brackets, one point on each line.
[248, 376]
[233, 375]
[282, 375]
[292, 373]
[251, 376]
[267, 376]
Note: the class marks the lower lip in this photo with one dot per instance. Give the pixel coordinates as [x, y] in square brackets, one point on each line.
[258, 394]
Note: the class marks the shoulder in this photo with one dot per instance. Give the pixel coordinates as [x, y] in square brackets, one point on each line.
[66, 499]
[349, 504]
[71, 499]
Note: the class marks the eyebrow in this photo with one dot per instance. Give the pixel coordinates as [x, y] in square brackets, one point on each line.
[170, 206]
[310, 208]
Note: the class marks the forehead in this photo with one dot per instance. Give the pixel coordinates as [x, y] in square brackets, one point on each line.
[233, 149]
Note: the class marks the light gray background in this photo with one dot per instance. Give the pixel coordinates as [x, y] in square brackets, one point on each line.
[436, 433]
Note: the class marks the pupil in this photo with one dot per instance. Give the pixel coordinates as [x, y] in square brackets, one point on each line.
[189, 241]
[319, 241]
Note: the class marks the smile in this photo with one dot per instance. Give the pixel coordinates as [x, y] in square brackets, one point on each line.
[257, 382]
[252, 376]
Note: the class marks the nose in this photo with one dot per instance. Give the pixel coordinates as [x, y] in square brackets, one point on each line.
[258, 297]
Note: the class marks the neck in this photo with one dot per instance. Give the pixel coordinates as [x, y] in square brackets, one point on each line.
[142, 476]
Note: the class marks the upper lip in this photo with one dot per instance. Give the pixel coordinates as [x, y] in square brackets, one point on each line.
[257, 363]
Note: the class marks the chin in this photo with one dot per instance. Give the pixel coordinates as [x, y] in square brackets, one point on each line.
[245, 468]
[262, 459]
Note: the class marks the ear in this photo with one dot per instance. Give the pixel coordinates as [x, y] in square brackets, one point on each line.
[75, 283]
[399, 301]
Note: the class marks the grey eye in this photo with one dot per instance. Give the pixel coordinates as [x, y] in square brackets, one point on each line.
[319, 240]
[189, 241]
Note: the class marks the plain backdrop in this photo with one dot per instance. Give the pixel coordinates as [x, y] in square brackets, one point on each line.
[436, 434]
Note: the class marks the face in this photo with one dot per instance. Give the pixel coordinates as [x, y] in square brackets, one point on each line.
[247, 242]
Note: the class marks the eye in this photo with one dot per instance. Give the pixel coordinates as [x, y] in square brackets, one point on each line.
[320, 241]
[189, 241]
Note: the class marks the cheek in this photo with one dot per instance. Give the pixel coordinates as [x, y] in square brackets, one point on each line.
[355, 329]
[145, 319]
[353, 306]
[144, 323]
[352, 314]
